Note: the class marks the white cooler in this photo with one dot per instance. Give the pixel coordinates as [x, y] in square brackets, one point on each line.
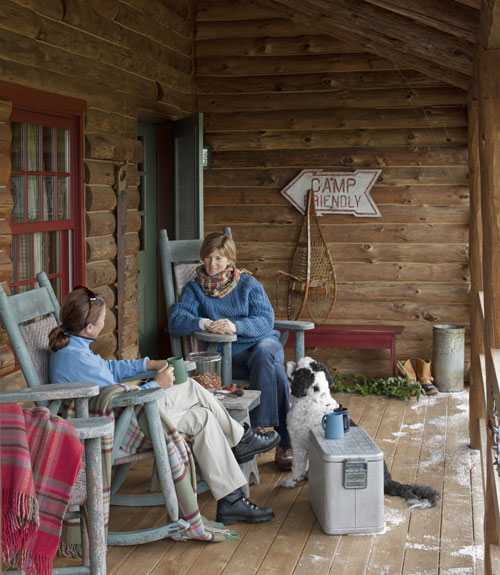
[346, 483]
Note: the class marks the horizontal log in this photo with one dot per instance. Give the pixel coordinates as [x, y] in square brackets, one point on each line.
[338, 158]
[101, 248]
[447, 196]
[17, 18]
[100, 273]
[136, 53]
[100, 223]
[13, 381]
[369, 252]
[111, 147]
[401, 311]
[337, 119]
[305, 83]
[355, 232]
[5, 113]
[424, 293]
[95, 93]
[38, 54]
[133, 197]
[391, 214]
[101, 122]
[303, 45]
[99, 172]
[263, 28]
[401, 98]
[107, 293]
[279, 177]
[167, 16]
[132, 175]
[279, 66]
[217, 11]
[164, 33]
[412, 139]
[100, 198]
[131, 265]
[105, 345]
[375, 272]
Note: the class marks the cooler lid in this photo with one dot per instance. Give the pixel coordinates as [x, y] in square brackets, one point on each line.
[355, 443]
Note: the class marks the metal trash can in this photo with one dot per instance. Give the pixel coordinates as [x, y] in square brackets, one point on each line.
[448, 345]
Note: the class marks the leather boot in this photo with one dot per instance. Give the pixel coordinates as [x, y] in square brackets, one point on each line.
[236, 508]
[406, 370]
[254, 442]
[424, 376]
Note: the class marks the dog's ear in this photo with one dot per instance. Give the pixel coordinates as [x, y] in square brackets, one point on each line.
[303, 378]
[318, 366]
[290, 368]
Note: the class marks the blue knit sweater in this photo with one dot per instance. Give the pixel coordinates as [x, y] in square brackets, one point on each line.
[247, 306]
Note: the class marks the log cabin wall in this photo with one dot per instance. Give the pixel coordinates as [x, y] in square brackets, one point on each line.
[277, 99]
[126, 60]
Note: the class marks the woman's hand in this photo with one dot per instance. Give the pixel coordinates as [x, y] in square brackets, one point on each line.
[156, 364]
[222, 326]
[165, 377]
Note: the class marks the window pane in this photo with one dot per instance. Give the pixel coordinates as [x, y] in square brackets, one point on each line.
[63, 199]
[17, 191]
[34, 199]
[33, 253]
[55, 149]
[34, 147]
[18, 147]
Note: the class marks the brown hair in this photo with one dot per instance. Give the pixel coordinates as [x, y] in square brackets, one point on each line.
[81, 307]
[221, 242]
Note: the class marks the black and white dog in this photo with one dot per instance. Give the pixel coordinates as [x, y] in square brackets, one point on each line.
[311, 383]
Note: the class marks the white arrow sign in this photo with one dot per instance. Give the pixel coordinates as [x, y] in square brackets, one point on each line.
[335, 192]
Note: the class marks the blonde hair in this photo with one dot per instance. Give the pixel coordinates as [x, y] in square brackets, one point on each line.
[217, 241]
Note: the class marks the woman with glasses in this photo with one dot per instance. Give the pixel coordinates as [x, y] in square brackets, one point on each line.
[218, 441]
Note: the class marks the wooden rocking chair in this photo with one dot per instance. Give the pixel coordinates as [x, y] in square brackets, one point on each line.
[89, 487]
[28, 318]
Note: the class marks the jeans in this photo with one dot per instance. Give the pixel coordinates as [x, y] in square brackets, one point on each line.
[264, 365]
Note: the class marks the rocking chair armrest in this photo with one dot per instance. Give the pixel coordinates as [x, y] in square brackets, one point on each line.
[51, 392]
[294, 325]
[138, 397]
[214, 337]
[94, 427]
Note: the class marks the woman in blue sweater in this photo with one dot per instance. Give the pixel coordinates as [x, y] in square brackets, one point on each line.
[223, 299]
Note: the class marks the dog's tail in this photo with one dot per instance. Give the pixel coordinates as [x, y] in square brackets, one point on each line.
[413, 493]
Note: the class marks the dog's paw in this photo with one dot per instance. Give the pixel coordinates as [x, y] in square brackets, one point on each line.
[289, 483]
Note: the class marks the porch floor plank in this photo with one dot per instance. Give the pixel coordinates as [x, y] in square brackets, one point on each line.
[422, 546]
[424, 442]
[457, 534]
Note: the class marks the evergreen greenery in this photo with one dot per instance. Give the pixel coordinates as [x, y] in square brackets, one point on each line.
[400, 387]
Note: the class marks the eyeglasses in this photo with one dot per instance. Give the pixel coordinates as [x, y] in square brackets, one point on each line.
[92, 297]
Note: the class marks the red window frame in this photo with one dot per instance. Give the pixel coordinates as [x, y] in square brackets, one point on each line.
[43, 108]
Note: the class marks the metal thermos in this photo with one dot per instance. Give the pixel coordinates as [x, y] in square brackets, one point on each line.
[448, 345]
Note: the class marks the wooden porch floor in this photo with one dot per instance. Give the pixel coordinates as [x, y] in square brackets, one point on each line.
[425, 441]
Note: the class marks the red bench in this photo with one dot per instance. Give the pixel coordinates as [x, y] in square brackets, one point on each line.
[354, 337]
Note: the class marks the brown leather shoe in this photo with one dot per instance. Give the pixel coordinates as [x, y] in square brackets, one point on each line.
[283, 458]
[424, 376]
[406, 370]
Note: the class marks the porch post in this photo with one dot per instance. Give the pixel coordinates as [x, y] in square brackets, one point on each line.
[489, 134]
[476, 402]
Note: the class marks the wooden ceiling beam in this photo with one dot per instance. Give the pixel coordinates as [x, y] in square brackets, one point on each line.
[344, 29]
[397, 31]
[445, 16]
[490, 24]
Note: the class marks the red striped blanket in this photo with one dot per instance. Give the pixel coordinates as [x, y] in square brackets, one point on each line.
[40, 456]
